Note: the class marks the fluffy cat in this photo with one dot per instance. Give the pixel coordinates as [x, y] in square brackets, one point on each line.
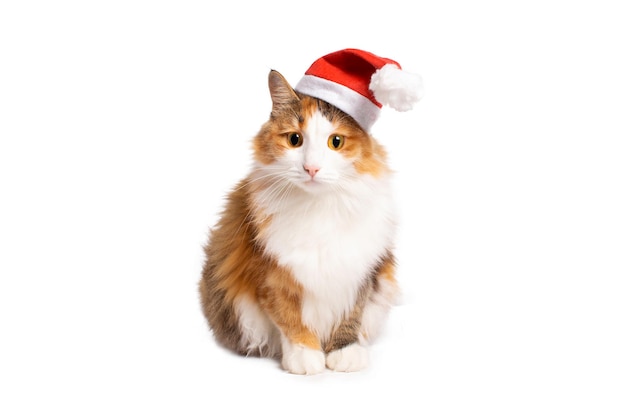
[300, 265]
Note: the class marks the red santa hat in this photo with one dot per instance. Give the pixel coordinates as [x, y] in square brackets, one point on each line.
[360, 83]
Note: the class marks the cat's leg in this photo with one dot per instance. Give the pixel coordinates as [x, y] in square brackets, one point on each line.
[302, 354]
[384, 295]
[346, 349]
[345, 352]
[281, 297]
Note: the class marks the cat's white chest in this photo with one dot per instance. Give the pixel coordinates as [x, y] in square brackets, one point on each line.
[331, 245]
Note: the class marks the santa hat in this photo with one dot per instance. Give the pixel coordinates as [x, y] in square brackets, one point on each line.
[360, 83]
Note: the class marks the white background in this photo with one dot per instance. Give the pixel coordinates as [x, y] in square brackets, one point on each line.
[124, 123]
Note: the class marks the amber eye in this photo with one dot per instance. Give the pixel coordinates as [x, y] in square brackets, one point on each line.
[335, 142]
[294, 139]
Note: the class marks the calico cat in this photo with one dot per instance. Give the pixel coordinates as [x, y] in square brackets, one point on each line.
[300, 265]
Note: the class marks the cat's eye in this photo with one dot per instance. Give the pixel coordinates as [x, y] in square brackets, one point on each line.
[335, 141]
[294, 139]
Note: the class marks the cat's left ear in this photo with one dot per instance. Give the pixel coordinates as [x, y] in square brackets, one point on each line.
[280, 90]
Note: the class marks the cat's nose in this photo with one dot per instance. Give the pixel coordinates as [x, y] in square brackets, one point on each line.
[311, 169]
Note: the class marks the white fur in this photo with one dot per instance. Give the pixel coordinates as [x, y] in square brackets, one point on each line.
[302, 360]
[351, 358]
[329, 231]
[257, 330]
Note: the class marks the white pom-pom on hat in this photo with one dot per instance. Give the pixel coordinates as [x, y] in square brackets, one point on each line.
[396, 88]
[360, 83]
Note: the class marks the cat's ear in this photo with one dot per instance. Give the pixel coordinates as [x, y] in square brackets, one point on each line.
[280, 90]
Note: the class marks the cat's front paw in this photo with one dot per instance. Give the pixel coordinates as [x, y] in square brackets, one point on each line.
[351, 358]
[302, 360]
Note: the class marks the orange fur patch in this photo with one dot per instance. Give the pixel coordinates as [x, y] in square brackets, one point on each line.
[388, 269]
[373, 160]
[281, 296]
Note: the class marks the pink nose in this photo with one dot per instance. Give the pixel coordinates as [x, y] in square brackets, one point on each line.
[311, 169]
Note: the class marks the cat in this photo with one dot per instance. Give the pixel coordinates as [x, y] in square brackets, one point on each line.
[300, 266]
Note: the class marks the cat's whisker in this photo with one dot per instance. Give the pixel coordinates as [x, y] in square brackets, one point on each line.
[275, 185]
[275, 178]
[284, 194]
[252, 180]
[284, 189]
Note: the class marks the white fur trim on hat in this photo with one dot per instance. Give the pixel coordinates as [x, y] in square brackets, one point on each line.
[349, 101]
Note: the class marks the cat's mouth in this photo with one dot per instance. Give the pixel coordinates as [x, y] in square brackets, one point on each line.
[312, 184]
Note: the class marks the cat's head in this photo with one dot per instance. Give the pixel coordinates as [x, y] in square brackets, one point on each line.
[312, 144]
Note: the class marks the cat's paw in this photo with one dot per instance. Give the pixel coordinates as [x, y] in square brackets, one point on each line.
[302, 360]
[351, 358]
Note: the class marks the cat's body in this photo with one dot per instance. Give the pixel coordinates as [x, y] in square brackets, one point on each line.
[300, 265]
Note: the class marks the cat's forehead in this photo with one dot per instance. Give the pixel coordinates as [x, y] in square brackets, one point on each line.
[318, 124]
[311, 106]
[318, 113]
